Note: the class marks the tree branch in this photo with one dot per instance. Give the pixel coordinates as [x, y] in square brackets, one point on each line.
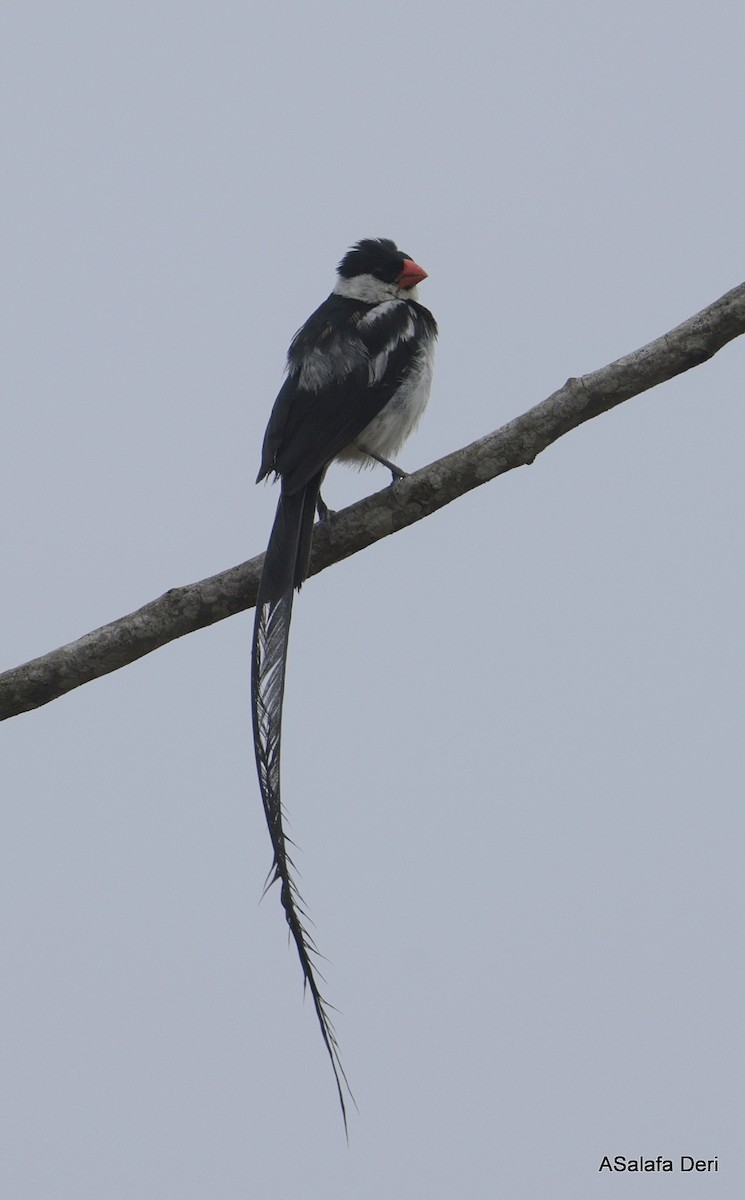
[185, 609]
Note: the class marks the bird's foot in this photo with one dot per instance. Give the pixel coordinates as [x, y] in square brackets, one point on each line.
[395, 471]
[323, 510]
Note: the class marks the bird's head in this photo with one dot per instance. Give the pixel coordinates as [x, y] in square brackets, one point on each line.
[375, 270]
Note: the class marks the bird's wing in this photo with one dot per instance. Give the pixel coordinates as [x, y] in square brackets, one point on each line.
[345, 364]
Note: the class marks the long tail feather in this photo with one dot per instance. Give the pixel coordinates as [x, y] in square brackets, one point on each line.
[285, 568]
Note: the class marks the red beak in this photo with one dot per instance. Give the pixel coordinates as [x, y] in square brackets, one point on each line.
[411, 275]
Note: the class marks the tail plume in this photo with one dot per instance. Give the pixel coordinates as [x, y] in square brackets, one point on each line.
[285, 568]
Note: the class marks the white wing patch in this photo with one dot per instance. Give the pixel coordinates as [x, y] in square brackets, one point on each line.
[380, 311]
[338, 358]
[379, 362]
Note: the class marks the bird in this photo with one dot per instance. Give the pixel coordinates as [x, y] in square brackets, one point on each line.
[358, 379]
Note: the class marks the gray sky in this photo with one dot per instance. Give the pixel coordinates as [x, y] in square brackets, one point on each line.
[513, 740]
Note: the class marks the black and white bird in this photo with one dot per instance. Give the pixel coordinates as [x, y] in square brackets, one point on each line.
[358, 380]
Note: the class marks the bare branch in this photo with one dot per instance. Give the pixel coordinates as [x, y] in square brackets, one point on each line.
[185, 609]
